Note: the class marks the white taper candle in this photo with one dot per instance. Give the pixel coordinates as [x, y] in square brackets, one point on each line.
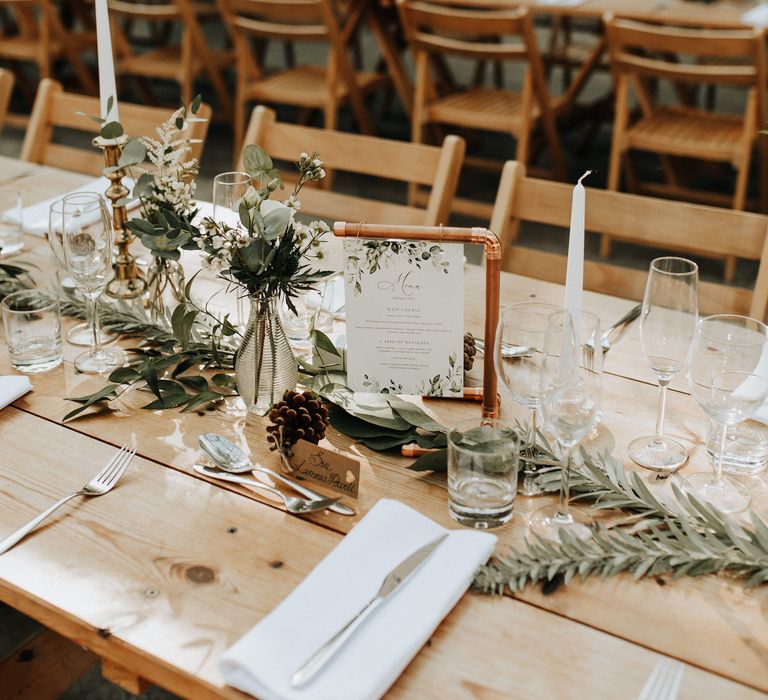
[107, 85]
[574, 277]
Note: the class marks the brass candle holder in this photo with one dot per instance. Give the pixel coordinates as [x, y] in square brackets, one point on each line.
[451, 234]
[128, 282]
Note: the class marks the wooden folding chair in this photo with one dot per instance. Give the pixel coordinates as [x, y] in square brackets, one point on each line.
[33, 33]
[323, 87]
[6, 87]
[56, 109]
[688, 58]
[182, 62]
[433, 166]
[435, 32]
[659, 223]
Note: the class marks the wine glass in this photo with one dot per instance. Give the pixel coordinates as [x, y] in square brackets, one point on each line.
[570, 409]
[87, 242]
[727, 378]
[523, 326]
[79, 334]
[667, 329]
[228, 190]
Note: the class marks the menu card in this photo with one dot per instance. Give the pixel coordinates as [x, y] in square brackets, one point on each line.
[405, 316]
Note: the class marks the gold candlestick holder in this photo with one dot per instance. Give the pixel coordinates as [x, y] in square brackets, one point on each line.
[128, 282]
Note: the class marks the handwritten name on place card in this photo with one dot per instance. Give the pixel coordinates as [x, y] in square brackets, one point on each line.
[338, 472]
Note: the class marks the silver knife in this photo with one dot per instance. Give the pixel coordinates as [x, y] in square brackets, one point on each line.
[392, 582]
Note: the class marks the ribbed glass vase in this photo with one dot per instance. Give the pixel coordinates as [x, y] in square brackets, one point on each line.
[265, 365]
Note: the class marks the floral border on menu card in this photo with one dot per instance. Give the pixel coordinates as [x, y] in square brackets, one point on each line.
[404, 304]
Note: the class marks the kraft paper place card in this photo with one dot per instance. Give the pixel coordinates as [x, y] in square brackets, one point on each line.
[405, 317]
[337, 471]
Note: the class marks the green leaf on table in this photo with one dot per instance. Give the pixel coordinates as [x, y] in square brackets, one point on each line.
[225, 381]
[355, 427]
[167, 401]
[106, 393]
[387, 442]
[195, 382]
[201, 399]
[415, 415]
[431, 442]
[432, 461]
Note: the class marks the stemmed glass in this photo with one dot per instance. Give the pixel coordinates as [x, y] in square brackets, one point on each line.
[727, 378]
[521, 327]
[87, 243]
[570, 409]
[228, 189]
[667, 329]
[79, 334]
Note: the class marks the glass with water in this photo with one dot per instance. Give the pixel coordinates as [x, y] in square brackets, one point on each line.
[482, 473]
[32, 330]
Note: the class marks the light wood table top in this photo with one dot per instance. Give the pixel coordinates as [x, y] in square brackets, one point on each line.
[163, 574]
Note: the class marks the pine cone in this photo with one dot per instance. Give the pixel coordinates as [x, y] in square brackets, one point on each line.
[297, 416]
[469, 351]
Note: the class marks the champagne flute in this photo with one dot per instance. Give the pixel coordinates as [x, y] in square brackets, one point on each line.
[570, 409]
[667, 329]
[79, 334]
[524, 325]
[727, 378]
[228, 190]
[87, 242]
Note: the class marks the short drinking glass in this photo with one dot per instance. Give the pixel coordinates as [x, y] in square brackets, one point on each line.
[482, 473]
[32, 330]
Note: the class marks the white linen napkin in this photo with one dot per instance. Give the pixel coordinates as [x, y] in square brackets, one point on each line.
[561, 3]
[757, 16]
[12, 387]
[262, 662]
[34, 218]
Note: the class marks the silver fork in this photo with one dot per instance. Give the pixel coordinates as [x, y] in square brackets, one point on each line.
[664, 681]
[610, 337]
[98, 486]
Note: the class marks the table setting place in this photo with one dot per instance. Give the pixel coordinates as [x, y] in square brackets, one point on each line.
[224, 314]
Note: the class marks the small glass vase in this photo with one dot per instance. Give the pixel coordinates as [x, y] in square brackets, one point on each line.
[165, 286]
[265, 365]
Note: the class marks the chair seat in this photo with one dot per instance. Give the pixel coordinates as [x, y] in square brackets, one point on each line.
[684, 132]
[304, 86]
[166, 63]
[482, 108]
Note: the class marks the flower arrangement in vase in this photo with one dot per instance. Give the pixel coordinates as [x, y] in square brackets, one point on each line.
[267, 257]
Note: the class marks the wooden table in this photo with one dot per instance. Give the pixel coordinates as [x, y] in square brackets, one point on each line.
[161, 575]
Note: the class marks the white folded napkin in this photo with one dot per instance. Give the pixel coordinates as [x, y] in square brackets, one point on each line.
[262, 662]
[757, 16]
[34, 218]
[13, 387]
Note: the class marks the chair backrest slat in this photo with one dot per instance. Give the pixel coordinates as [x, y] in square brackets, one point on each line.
[289, 19]
[661, 223]
[55, 108]
[654, 50]
[435, 166]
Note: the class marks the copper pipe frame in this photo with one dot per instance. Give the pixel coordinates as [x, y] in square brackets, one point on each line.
[453, 234]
